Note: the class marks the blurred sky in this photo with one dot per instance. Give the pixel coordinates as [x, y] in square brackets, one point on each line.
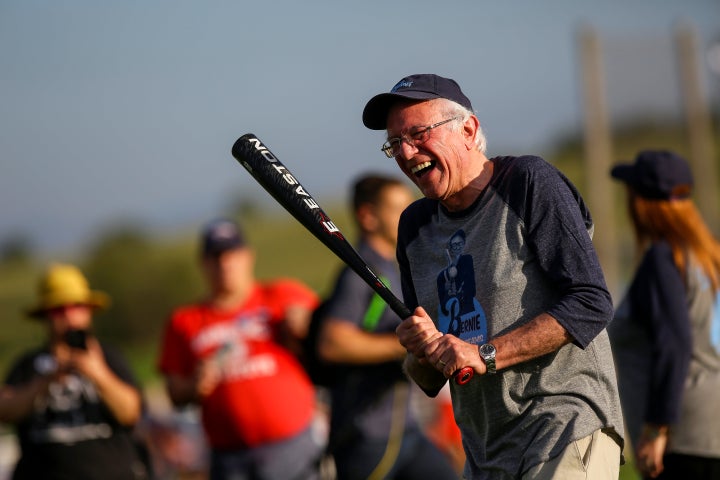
[128, 109]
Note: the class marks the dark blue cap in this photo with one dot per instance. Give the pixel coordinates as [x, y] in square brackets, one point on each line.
[221, 235]
[422, 86]
[657, 174]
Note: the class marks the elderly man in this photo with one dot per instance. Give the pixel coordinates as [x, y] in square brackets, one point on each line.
[543, 402]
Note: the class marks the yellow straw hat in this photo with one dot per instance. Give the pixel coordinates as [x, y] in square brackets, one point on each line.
[64, 284]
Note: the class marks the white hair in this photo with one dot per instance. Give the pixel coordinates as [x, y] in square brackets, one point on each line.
[454, 109]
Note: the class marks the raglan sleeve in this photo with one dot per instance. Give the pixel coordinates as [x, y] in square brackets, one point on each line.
[658, 301]
[559, 228]
[405, 232]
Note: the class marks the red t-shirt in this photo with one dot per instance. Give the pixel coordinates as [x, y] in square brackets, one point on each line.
[264, 394]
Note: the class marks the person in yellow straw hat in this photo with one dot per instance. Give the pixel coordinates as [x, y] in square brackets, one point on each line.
[73, 401]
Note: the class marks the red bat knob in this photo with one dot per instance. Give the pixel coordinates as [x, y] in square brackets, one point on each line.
[464, 375]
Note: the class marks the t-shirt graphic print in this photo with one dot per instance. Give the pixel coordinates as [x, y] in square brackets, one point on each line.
[459, 312]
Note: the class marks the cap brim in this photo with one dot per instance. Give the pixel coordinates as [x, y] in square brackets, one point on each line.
[376, 110]
[624, 172]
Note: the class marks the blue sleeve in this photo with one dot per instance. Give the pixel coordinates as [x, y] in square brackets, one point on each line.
[658, 301]
[416, 215]
[558, 223]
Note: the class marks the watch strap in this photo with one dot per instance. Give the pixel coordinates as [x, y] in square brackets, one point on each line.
[487, 353]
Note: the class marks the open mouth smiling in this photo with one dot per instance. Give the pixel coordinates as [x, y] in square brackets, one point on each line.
[420, 169]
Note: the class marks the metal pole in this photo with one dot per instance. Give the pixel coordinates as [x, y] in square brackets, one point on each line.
[598, 155]
[697, 112]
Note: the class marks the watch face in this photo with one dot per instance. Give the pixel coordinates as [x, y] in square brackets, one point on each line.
[487, 349]
[487, 352]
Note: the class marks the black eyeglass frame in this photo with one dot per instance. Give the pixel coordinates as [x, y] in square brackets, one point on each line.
[391, 147]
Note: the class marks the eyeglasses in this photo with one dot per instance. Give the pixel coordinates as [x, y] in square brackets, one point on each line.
[418, 137]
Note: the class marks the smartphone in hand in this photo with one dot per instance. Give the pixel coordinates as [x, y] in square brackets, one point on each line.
[76, 338]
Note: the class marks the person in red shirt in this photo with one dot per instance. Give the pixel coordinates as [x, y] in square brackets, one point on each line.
[230, 355]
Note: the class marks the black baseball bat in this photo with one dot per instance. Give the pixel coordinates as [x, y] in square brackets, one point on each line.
[279, 182]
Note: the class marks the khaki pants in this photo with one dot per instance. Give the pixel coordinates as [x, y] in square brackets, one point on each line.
[595, 457]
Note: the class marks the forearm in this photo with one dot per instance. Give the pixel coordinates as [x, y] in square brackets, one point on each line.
[122, 399]
[345, 343]
[540, 336]
[650, 449]
[16, 402]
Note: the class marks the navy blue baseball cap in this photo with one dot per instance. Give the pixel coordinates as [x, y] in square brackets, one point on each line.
[657, 174]
[421, 86]
[220, 236]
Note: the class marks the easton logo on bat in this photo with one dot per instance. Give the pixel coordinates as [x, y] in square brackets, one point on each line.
[330, 226]
[285, 174]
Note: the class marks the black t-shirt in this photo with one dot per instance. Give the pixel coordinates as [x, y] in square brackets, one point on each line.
[71, 434]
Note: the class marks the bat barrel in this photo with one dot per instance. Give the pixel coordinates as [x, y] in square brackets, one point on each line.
[279, 182]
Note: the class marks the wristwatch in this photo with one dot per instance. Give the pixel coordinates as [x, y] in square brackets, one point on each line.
[487, 352]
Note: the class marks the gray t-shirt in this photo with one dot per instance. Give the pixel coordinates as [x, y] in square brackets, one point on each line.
[523, 248]
[698, 429]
